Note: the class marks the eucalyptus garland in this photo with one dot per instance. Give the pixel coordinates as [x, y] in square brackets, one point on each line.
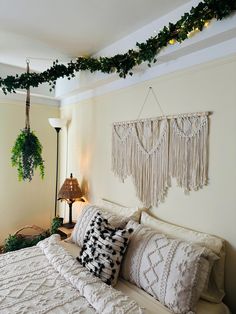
[26, 155]
[124, 63]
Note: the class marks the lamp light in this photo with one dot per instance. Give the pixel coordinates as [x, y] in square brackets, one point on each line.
[57, 124]
[71, 192]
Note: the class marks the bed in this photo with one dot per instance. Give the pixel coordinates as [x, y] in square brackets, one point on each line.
[47, 278]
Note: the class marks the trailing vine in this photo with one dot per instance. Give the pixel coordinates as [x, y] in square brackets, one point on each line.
[124, 63]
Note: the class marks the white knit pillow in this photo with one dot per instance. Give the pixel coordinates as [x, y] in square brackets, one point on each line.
[103, 249]
[214, 291]
[133, 213]
[87, 214]
[173, 271]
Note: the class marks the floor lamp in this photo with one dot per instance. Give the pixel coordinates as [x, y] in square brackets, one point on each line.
[57, 124]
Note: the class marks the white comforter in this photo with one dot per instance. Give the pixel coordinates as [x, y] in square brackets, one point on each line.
[47, 279]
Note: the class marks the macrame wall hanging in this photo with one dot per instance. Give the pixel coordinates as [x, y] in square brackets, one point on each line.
[152, 151]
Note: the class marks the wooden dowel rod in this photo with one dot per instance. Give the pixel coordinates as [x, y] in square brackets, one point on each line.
[195, 114]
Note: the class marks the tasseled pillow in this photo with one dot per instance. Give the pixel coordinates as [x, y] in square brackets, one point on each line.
[103, 249]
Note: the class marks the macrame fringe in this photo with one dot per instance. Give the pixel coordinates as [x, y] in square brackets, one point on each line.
[188, 158]
[144, 157]
[153, 151]
[149, 167]
[121, 150]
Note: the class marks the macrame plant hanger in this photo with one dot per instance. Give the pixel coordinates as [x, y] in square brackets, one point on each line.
[27, 105]
[27, 150]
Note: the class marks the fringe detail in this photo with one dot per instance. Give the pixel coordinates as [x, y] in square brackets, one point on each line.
[188, 159]
[141, 150]
[122, 150]
[153, 151]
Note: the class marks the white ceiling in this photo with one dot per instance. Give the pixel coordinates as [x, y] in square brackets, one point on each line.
[50, 29]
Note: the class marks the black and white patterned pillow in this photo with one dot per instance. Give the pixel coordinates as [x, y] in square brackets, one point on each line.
[103, 249]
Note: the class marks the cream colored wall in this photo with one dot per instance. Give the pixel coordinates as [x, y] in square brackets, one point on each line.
[206, 87]
[22, 202]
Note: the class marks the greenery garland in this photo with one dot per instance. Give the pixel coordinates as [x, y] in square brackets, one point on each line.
[17, 241]
[26, 155]
[124, 63]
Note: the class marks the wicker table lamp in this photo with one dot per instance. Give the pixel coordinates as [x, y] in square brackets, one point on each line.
[71, 192]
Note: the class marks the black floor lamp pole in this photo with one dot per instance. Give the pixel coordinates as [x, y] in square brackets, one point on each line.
[57, 130]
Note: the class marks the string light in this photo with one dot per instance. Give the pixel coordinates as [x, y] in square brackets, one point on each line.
[193, 32]
[172, 41]
[122, 64]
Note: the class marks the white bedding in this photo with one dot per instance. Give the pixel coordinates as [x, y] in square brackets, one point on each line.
[48, 279]
[152, 306]
[147, 302]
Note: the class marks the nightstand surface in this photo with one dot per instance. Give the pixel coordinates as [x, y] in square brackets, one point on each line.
[65, 232]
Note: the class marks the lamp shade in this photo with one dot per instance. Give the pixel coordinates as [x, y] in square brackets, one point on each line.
[70, 190]
[57, 123]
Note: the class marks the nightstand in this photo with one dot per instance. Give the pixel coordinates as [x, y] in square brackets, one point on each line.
[64, 232]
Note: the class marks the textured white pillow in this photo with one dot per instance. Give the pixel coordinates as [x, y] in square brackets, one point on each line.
[173, 271]
[214, 292]
[87, 214]
[133, 213]
[77, 209]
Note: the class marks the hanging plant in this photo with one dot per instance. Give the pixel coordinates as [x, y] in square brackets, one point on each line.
[26, 155]
[27, 150]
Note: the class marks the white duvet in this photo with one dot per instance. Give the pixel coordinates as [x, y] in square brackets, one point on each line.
[47, 279]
